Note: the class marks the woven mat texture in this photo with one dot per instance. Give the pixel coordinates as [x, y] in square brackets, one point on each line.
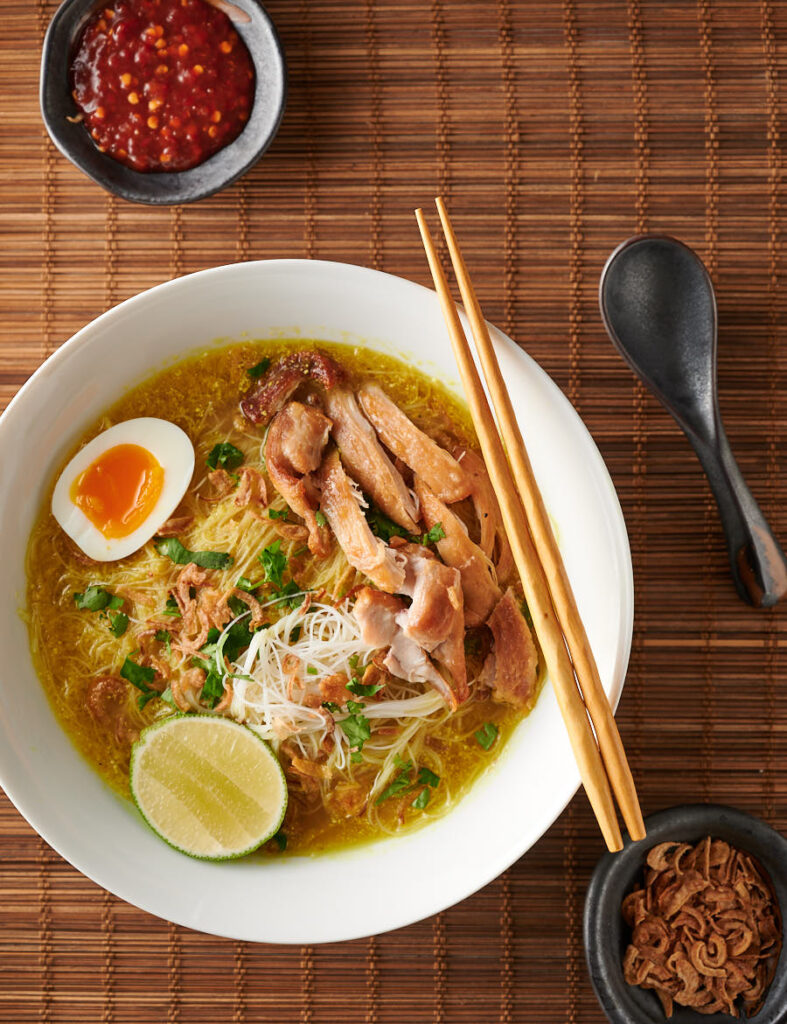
[555, 129]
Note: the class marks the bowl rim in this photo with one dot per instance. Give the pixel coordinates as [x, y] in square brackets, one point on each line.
[613, 877]
[137, 187]
[505, 854]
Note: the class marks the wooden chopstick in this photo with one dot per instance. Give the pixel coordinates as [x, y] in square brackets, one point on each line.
[534, 582]
[563, 599]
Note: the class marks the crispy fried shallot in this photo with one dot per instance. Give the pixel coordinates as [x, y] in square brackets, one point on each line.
[705, 929]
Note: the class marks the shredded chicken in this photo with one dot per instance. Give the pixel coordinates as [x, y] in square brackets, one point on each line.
[436, 467]
[300, 432]
[494, 541]
[381, 618]
[282, 380]
[479, 586]
[511, 667]
[364, 551]
[367, 463]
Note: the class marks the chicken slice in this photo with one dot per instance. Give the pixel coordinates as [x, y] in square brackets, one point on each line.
[295, 441]
[511, 667]
[366, 461]
[341, 506]
[494, 541]
[436, 467]
[435, 620]
[479, 587]
[282, 380]
[378, 616]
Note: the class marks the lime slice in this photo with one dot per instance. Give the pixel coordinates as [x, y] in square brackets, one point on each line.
[208, 786]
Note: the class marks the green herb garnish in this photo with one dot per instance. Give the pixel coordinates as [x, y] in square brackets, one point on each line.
[487, 735]
[277, 513]
[360, 690]
[170, 547]
[427, 778]
[118, 623]
[422, 799]
[434, 535]
[213, 690]
[401, 782]
[225, 455]
[383, 527]
[320, 517]
[140, 676]
[274, 562]
[329, 705]
[244, 583]
[356, 726]
[163, 636]
[94, 599]
[311, 670]
[291, 595]
[171, 607]
[295, 634]
[261, 367]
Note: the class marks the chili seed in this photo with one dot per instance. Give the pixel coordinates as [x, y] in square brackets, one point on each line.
[133, 97]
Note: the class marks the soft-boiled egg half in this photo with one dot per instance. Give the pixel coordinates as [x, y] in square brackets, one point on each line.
[123, 486]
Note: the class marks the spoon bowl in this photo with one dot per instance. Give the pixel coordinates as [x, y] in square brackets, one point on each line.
[659, 309]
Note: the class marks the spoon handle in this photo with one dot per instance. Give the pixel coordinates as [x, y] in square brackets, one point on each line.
[757, 562]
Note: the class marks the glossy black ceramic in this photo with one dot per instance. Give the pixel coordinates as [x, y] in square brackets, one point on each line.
[606, 933]
[163, 188]
[659, 308]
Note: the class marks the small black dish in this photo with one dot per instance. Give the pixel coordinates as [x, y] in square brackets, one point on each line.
[163, 188]
[616, 874]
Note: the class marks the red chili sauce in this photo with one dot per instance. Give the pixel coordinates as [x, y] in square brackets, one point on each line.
[162, 84]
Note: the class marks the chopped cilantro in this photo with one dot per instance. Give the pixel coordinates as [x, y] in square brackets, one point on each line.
[356, 757]
[167, 697]
[273, 562]
[163, 636]
[140, 676]
[354, 707]
[356, 727]
[295, 634]
[236, 606]
[401, 782]
[171, 548]
[291, 595]
[383, 527]
[278, 513]
[281, 840]
[171, 607]
[357, 687]
[244, 583]
[225, 455]
[118, 623]
[434, 535]
[311, 670]
[422, 799]
[213, 690]
[427, 778]
[330, 706]
[320, 517]
[93, 599]
[487, 735]
[238, 638]
[211, 638]
[259, 369]
[115, 603]
[352, 661]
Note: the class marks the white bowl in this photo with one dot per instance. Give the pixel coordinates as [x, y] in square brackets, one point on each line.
[395, 881]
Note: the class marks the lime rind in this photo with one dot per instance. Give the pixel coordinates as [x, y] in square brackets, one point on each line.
[142, 744]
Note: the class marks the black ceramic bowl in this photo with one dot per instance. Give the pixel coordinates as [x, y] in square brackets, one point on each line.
[606, 932]
[163, 188]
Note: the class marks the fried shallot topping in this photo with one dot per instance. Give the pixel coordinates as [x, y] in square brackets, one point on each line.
[705, 929]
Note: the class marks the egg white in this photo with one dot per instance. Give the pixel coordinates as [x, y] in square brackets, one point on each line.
[175, 453]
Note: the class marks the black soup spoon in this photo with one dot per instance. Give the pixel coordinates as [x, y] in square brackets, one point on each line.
[658, 306]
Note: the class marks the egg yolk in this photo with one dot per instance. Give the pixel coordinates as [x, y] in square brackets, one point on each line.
[119, 490]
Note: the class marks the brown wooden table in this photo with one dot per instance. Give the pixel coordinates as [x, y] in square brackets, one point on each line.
[556, 129]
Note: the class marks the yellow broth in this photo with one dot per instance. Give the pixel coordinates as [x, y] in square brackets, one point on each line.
[71, 647]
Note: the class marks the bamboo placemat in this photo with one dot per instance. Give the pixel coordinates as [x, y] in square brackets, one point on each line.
[555, 129]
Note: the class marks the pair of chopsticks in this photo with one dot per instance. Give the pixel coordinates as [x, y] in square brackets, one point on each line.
[567, 652]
